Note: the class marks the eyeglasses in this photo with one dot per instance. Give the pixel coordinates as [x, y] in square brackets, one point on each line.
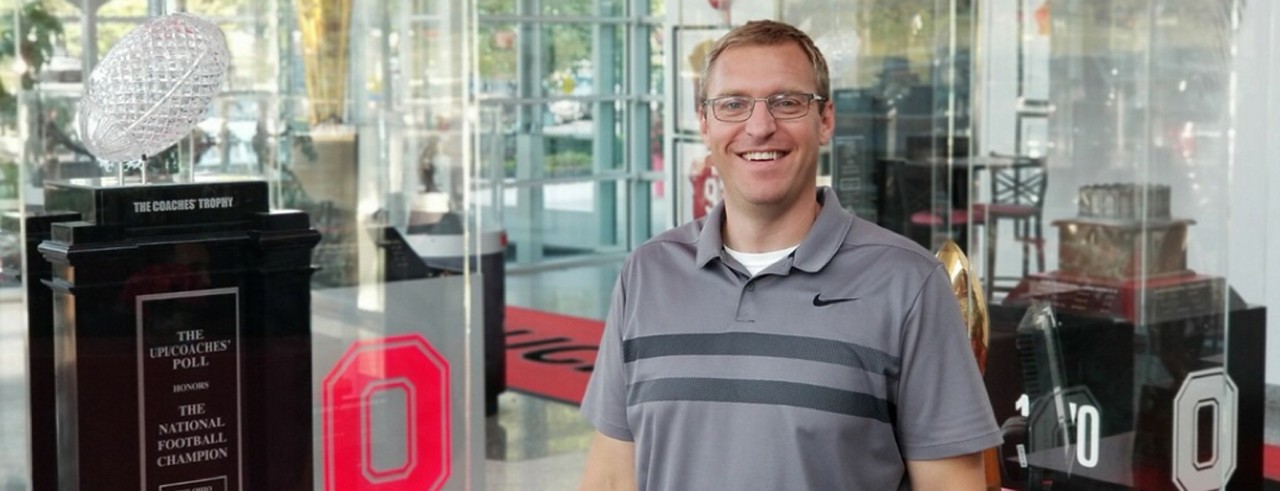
[736, 109]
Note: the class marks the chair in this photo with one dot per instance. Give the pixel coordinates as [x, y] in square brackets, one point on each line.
[1017, 196]
[924, 202]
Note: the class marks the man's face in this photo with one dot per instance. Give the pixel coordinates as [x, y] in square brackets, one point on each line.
[763, 161]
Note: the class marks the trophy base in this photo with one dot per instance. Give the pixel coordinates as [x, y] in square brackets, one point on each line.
[1151, 300]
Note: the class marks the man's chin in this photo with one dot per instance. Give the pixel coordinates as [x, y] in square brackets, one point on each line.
[760, 198]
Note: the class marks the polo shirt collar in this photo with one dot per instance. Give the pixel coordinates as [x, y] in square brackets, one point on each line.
[710, 243]
[829, 232]
[815, 251]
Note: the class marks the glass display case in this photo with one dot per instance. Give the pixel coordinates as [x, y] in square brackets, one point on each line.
[346, 122]
[1127, 339]
[1089, 159]
[1104, 165]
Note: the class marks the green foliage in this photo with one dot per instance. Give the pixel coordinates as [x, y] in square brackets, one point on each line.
[496, 7]
[568, 164]
[568, 42]
[34, 39]
[38, 31]
[8, 102]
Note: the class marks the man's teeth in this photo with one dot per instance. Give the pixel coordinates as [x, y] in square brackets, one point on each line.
[760, 155]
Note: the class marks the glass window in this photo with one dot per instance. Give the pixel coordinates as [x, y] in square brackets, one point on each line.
[555, 88]
[496, 7]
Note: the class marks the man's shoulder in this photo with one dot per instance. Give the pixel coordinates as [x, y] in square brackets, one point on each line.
[667, 257]
[868, 237]
[682, 238]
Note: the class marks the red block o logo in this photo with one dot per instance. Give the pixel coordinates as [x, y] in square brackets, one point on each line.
[404, 365]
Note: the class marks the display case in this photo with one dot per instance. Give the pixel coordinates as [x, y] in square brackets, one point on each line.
[1104, 165]
[350, 121]
[1127, 331]
[375, 134]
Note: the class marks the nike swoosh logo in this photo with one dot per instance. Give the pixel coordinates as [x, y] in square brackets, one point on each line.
[818, 301]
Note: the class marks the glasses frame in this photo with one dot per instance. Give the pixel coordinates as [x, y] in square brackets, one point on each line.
[768, 104]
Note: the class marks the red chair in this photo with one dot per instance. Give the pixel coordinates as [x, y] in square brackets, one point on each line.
[1017, 197]
[925, 200]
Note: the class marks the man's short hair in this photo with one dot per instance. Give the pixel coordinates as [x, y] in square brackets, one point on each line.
[769, 33]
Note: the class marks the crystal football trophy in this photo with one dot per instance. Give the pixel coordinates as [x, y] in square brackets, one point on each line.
[181, 310]
[151, 88]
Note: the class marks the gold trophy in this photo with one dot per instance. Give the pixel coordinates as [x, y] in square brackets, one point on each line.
[973, 308]
[326, 31]
[1124, 256]
[973, 304]
[325, 161]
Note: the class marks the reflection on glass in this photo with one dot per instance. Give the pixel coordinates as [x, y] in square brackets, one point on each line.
[325, 31]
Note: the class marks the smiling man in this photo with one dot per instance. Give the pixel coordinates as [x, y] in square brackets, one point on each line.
[781, 343]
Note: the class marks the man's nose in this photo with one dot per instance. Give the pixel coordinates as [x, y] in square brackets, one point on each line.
[761, 123]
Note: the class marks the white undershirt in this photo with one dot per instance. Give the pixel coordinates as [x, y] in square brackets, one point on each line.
[756, 261]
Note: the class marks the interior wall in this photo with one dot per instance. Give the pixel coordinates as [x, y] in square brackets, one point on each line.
[1273, 225]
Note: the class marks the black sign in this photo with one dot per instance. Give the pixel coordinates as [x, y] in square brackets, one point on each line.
[188, 350]
[159, 205]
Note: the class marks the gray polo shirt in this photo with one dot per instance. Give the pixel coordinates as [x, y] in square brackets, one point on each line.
[823, 372]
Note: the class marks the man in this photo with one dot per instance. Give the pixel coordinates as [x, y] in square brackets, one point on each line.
[780, 343]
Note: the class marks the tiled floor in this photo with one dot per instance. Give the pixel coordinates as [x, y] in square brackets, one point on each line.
[13, 400]
[1272, 434]
[536, 444]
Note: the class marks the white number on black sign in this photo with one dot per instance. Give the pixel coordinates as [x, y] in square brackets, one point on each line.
[1204, 431]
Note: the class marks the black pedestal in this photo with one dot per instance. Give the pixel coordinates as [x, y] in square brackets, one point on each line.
[181, 327]
[438, 254]
[41, 408]
[1134, 376]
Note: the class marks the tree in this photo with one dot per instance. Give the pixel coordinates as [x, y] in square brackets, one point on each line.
[31, 32]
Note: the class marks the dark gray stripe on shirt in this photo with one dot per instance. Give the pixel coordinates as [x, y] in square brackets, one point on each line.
[761, 392]
[757, 344]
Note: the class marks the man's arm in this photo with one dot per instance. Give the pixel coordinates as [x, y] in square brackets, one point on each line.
[950, 474]
[610, 465]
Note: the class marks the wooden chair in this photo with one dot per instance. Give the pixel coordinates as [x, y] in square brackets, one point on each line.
[1017, 197]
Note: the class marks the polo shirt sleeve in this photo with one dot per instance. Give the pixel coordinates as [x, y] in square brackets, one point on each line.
[942, 405]
[605, 403]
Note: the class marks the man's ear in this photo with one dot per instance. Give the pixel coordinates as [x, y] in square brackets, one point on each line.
[827, 120]
[702, 121]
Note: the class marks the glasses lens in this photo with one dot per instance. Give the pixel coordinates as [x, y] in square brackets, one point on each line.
[736, 109]
[788, 106]
[732, 108]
